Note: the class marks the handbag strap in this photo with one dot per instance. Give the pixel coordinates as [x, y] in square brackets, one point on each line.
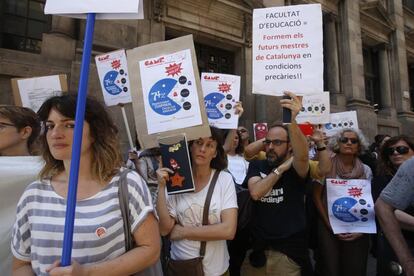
[123, 196]
[207, 207]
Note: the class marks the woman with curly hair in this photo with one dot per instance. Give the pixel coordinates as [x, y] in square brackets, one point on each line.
[347, 253]
[392, 154]
[98, 239]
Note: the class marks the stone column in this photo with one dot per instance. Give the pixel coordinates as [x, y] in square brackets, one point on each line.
[332, 53]
[385, 81]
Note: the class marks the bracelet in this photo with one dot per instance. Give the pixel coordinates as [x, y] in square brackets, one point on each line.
[321, 149]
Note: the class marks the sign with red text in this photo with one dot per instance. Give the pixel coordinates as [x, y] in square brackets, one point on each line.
[288, 50]
[315, 109]
[104, 9]
[113, 76]
[221, 92]
[350, 206]
[170, 93]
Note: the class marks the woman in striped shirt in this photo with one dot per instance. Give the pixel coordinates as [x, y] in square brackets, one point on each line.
[98, 239]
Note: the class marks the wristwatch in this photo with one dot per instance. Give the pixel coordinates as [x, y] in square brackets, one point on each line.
[276, 171]
[321, 148]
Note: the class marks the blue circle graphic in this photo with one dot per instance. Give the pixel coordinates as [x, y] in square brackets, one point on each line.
[341, 208]
[211, 101]
[158, 97]
[109, 83]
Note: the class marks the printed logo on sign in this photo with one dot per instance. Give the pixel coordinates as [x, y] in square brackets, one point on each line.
[338, 182]
[207, 77]
[355, 192]
[224, 87]
[154, 61]
[103, 58]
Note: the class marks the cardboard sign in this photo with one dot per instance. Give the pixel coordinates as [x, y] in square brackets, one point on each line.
[166, 93]
[341, 120]
[104, 9]
[113, 75]
[315, 109]
[350, 206]
[221, 93]
[175, 156]
[288, 50]
[32, 92]
[260, 130]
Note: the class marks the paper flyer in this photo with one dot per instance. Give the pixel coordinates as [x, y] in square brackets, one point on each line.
[287, 50]
[221, 92]
[315, 109]
[32, 92]
[175, 156]
[350, 206]
[341, 120]
[104, 9]
[113, 75]
[170, 94]
[260, 130]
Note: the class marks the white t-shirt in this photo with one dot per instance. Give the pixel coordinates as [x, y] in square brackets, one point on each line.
[237, 166]
[188, 210]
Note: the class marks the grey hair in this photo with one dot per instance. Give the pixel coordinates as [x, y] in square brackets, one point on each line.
[334, 140]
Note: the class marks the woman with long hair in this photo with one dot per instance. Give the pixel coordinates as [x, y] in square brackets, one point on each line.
[98, 238]
[395, 151]
[181, 215]
[346, 253]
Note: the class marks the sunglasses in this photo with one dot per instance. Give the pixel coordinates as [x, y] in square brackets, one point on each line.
[399, 150]
[345, 140]
[275, 142]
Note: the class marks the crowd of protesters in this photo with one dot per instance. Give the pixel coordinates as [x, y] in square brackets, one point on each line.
[276, 186]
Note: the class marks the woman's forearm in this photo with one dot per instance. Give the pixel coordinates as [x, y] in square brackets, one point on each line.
[166, 222]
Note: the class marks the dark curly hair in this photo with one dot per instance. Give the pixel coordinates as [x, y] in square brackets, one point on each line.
[385, 167]
[106, 155]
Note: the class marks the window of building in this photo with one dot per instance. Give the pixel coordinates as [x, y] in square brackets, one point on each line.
[409, 4]
[23, 23]
[371, 75]
[211, 59]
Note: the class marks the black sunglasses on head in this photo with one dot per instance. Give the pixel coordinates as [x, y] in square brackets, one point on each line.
[275, 142]
[345, 140]
[399, 150]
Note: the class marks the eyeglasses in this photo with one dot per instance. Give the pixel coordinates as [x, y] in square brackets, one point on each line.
[4, 125]
[275, 142]
[242, 130]
[399, 150]
[345, 140]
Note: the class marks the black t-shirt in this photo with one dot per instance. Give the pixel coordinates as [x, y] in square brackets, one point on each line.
[281, 213]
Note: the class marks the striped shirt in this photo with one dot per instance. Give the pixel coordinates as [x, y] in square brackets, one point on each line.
[98, 236]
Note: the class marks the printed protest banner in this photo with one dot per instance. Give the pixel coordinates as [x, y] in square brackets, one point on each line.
[104, 9]
[113, 75]
[350, 206]
[176, 157]
[221, 92]
[16, 173]
[260, 130]
[32, 92]
[315, 109]
[288, 50]
[166, 91]
[341, 120]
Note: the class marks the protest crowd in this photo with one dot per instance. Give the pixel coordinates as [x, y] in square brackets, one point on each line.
[310, 197]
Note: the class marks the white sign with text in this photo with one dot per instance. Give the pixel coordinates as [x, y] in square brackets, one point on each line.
[315, 109]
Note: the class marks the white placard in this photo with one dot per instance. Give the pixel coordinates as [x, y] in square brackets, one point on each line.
[113, 76]
[315, 109]
[341, 120]
[288, 50]
[170, 92]
[16, 173]
[34, 91]
[104, 9]
[350, 206]
[221, 92]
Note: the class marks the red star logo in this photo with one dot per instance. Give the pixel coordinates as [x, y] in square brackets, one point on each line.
[177, 180]
[173, 69]
[116, 64]
[355, 192]
[224, 87]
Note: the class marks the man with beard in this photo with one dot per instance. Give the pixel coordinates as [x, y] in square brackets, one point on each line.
[277, 186]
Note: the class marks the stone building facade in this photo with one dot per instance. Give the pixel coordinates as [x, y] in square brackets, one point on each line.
[368, 51]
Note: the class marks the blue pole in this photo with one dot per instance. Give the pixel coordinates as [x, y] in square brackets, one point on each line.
[77, 142]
